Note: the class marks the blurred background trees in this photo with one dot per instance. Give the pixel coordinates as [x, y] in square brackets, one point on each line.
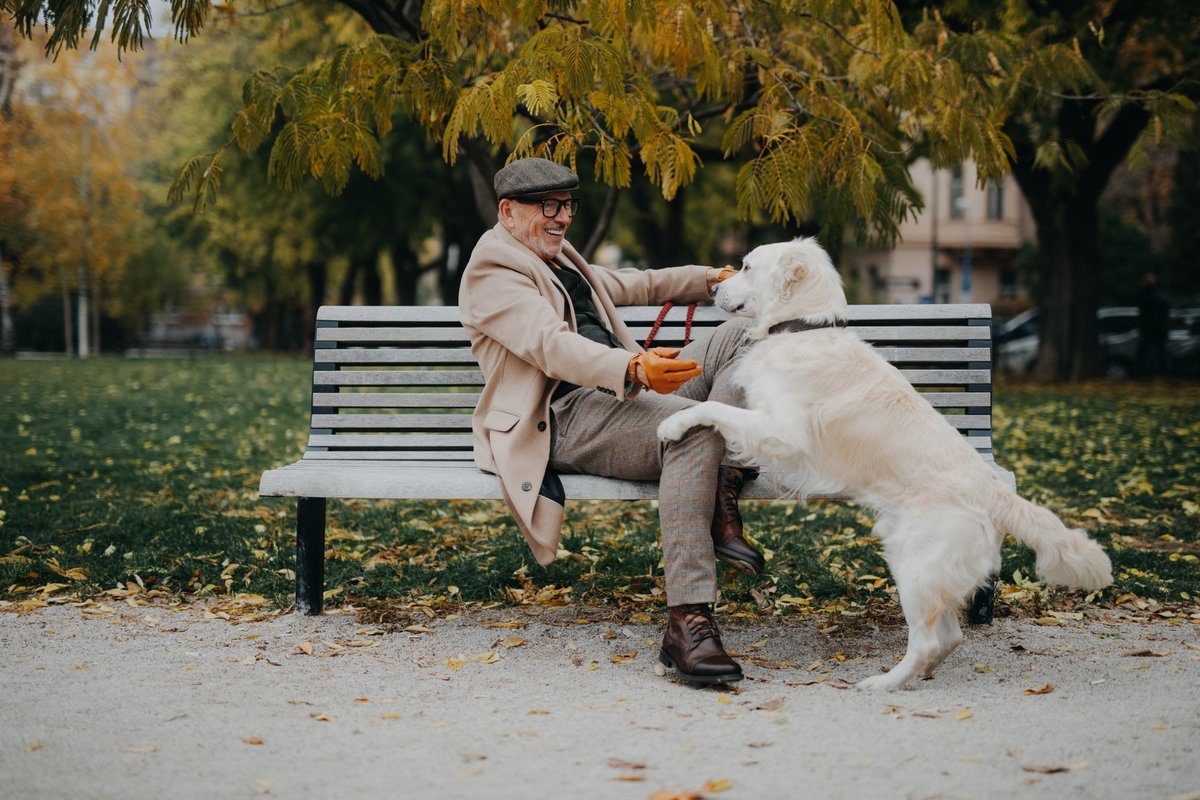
[344, 152]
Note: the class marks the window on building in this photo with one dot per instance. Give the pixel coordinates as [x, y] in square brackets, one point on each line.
[941, 285]
[956, 193]
[995, 200]
[1010, 287]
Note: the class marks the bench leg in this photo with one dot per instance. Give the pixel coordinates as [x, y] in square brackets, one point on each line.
[310, 554]
[983, 603]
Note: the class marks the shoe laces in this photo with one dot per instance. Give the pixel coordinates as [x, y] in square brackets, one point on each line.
[728, 490]
[700, 624]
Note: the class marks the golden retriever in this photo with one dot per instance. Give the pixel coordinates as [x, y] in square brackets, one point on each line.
[826, 414]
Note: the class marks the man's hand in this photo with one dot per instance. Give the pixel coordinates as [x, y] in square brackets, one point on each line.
[660, 371]
[715, 276]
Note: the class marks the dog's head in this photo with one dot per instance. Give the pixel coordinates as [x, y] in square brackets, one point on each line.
[788, 280]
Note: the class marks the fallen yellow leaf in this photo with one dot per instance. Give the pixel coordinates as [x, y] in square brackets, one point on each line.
[511, 641]
[486, 658]
[630, 776]
[306, 648]
[253, 740]
[1047, 689]
[962, 714]
[455, 663]
[321, 718]
[718, 785]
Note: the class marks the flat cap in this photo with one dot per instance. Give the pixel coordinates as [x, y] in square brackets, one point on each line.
[528, 177]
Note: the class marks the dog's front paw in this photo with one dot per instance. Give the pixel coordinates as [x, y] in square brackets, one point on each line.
[675, 426]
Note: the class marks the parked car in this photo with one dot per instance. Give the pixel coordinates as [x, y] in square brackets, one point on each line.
[1017, 341]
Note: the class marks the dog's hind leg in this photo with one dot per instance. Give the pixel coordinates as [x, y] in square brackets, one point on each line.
[949, 634]
[924, 651]
[934, 568]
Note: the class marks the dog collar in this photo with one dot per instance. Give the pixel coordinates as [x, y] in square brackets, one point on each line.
[799, 325]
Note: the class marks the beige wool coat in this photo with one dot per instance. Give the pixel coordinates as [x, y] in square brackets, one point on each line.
[522, 330]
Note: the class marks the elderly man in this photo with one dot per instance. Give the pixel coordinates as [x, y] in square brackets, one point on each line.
[568, 390]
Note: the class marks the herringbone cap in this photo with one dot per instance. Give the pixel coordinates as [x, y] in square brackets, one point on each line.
[529, 177]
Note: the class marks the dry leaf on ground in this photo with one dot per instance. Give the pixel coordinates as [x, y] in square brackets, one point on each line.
[1047, 689]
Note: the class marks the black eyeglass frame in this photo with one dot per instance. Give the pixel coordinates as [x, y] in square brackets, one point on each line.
[572, 205]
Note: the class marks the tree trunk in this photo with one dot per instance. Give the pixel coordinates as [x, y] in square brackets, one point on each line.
[1065, 206]
[607, 213]
[1068, 347]
[346, 292]
[372, 285]
[315, 272]
[8, 342]
[68, 329]
[94, 318]
[660, 242]
[405, 271]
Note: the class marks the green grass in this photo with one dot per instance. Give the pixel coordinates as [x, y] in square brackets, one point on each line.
[115, 472]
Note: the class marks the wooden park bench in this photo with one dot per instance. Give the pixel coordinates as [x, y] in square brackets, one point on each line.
[394, 388]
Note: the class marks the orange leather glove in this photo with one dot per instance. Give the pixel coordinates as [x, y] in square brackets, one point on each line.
[660, 371]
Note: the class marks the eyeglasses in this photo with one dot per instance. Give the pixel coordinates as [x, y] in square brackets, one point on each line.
[550, 208]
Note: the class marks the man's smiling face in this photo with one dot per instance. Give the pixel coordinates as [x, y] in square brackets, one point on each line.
[529, 226]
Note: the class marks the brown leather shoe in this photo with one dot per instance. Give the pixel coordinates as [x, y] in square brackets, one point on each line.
[729, 543]
[692, 647]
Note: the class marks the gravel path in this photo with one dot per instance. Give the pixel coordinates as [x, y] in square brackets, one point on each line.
[116, 702]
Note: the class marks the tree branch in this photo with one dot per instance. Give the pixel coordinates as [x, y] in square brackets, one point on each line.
[384, 19]
[607, 212]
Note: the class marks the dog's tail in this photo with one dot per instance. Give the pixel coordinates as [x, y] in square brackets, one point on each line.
[1065, 555]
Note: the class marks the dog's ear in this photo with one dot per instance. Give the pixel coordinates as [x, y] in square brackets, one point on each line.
[791, 271]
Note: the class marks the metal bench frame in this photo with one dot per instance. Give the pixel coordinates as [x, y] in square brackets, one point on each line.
[394, 388]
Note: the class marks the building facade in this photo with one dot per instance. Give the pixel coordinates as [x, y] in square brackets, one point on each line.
[963, 248]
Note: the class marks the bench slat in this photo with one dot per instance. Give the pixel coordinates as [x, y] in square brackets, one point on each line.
[449, 314]
[958, 399]
[964, 355]
[396, 399]
[393, 441]
[947, 377]
[462, 422]
[399, 377]
[452, 441]
[407, 422]
[413, 377]
[449, 481]
[385, 455]
[405, 356]
[445, 335]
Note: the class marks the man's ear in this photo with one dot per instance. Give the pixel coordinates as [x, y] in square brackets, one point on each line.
[504, 212]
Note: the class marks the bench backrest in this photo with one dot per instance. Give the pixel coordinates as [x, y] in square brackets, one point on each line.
[399, 382]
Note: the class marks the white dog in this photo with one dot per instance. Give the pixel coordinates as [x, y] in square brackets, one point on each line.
[827, 414]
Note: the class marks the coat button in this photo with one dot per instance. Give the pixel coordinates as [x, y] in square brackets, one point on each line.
[541, 426]
[526, 486]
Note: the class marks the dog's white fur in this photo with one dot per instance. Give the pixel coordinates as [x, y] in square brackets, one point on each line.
[827, 414]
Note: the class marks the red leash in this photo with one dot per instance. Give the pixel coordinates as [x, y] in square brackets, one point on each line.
[662, 315]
